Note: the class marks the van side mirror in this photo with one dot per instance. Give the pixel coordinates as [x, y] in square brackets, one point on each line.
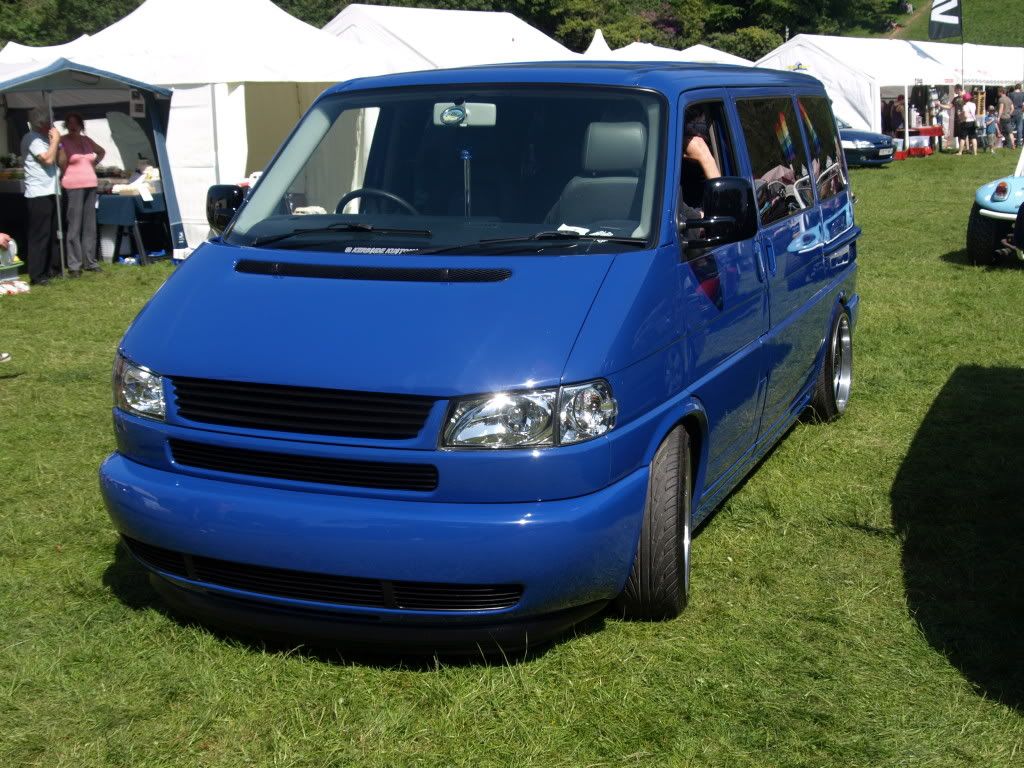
[222, 203]
[730, 214]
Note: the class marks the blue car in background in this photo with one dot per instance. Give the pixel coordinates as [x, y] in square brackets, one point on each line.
[482, 348]
[865, 147]
[995, 211]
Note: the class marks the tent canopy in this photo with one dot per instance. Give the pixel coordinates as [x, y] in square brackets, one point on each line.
[173, 42]
[92, 85]
[63, 74]
[598, 48]
[701, 54]
[705, 53]
[435, 39]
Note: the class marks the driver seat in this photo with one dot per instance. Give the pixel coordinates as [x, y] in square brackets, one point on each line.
[606, 189]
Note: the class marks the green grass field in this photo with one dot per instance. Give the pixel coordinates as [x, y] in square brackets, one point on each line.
[986, 22]
[857, 602]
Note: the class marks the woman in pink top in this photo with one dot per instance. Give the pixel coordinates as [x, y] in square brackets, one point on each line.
[78, 156]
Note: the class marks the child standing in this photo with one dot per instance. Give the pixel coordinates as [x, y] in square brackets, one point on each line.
[991, 126]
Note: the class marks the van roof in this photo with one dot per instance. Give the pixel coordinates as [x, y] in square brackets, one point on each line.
[667, 77]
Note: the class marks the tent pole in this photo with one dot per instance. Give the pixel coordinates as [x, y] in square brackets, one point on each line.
[906, 119]
[60, 217]
[216, 148]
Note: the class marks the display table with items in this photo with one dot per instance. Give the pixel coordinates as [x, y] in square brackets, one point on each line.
[928, 133]
[126, 213]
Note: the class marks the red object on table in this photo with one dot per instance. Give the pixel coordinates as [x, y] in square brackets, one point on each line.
[927, 130]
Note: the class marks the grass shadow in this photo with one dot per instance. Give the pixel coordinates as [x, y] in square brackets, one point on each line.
[130, 583]
[958, 505]
[999, 260]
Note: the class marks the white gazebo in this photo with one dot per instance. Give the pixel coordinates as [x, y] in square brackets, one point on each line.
[430, 38]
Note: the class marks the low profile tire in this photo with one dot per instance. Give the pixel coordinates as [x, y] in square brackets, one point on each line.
[984, 236]
[659, 583]
[835, 379]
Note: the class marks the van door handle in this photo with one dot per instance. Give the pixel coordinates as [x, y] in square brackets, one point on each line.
[759, 262]
[769, 249]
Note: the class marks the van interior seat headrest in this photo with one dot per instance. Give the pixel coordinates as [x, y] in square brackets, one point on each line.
[614, 147]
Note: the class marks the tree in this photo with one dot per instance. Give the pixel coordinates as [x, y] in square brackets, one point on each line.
[749, 42]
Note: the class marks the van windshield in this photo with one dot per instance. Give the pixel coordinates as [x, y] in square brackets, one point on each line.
[463, 168]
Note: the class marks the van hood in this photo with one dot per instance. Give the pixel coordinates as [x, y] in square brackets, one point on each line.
[370, 323]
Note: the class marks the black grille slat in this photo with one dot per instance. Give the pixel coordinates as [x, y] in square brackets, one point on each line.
[382, 274]
[163, 559]
[326, 588]
[313, 469]
[307, 410]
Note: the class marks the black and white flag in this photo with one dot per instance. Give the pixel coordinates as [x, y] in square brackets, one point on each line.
[946, 19]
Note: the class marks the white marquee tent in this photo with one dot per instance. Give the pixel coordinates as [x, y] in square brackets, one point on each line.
[598, 48]
[699, 54]
[856, 70]
[437, 39]
[978, 64]
[242, 72]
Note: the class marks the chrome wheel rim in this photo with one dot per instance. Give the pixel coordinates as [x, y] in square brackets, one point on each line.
[842, 363]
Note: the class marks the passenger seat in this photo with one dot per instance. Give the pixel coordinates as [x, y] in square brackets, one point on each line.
[605, 192]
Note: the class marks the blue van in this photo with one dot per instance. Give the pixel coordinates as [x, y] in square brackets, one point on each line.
[483, 347]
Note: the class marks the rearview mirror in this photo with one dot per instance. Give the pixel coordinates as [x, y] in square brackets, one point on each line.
[730, 214]
[222, 203]
[468, 114]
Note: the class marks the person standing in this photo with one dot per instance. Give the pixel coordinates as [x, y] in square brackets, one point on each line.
[77, 159]
[39, 147]
[968, 131]
[955, 104]
[991, 123]
[1005, 116]
[1017, 99]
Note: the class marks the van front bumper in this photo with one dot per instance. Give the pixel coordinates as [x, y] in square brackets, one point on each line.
[569, 556]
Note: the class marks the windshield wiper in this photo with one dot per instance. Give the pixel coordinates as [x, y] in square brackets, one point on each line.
[341, 226]
[482, 245]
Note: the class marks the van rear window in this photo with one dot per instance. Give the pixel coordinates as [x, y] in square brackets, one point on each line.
[826, 150]
[782, 180]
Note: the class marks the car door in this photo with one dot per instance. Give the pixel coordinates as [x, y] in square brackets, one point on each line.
[725, 301]
[791, 244]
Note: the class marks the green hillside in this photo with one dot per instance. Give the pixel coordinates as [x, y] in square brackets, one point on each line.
[988, 22]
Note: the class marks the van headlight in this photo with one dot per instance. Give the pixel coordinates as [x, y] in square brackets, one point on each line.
[536, 418]
[138, 390]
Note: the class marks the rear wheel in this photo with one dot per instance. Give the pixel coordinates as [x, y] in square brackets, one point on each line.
[659, 583]
[835, 379]
[984, 236]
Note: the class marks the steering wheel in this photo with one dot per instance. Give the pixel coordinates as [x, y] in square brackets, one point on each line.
[371, 192]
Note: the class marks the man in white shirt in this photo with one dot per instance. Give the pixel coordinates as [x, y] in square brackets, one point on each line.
[39, 148]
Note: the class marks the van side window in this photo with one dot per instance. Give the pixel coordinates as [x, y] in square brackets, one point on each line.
[826, 150]
[707, 151]
[777, 157]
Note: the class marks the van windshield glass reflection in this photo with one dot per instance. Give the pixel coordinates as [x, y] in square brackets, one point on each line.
[436, 169]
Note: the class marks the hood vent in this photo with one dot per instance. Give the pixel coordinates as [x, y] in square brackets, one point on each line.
[387, 274]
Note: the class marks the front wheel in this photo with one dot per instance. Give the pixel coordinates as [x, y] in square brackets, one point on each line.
[659, 583]
[984, 236]
[835, 379]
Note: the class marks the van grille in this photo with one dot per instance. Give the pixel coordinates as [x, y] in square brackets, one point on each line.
[307, 410]
[308, 469]
[325, 588]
